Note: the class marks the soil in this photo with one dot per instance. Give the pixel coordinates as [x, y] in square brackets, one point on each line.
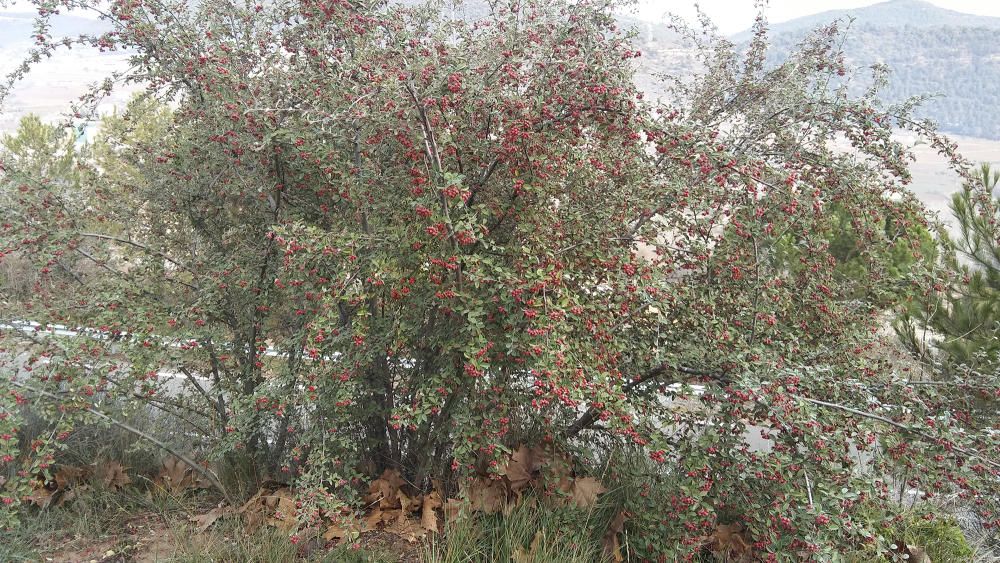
[146, 538]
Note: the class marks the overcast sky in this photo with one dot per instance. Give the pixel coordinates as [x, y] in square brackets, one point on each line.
[736, 15]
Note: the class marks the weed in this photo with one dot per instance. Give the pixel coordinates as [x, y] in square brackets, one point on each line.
[528, 533]
[229, 541]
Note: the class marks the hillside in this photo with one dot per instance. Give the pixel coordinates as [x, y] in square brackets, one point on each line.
[57, 81]
[929, 50]
[16, 27]
[894, 13]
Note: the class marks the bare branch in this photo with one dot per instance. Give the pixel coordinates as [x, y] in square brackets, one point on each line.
[204, 471]
[905, 428]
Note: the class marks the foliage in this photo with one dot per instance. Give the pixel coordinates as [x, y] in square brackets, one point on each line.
[367, 236]
[907, 245]
[962, 311]
[43, 151]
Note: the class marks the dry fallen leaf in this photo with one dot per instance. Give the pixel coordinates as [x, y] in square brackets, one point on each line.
[407, 503]
[206, 520]
[585, 491]
[372, 520]
[523, 467]
[428, 518]
[69, 476]
[406, 528]
[559, 474]
[254, 500]
[40, 494]
[112, 475]
[486, 495]
[273, 504]
[70, 495]
[453, 508]
[175, 475]
[384, 489]
[530, 555]
[343, 531]
[281, 509]
[911, 553]
[609, 543]
[391, 509]
[394, 521]
[380, 516]
[729, 542]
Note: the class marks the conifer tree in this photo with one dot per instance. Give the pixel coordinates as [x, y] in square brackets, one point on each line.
[960, 318]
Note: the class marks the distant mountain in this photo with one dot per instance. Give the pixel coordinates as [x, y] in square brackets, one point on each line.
[16, 28]
[54, 82]
[894, 13]
[930, 50]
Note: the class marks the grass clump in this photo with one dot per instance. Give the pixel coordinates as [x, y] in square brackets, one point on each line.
[935, 533]
[941, 537]
[528, 533]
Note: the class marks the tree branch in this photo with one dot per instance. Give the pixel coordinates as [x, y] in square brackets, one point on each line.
[204, 471]
[137, 245]
[905, 428]
[590, 417]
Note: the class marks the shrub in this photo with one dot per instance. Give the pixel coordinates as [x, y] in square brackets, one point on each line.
[371, 236]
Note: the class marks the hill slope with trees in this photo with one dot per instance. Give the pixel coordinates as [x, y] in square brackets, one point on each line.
[929, 51]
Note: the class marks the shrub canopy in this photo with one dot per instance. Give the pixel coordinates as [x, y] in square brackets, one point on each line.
[359, 235]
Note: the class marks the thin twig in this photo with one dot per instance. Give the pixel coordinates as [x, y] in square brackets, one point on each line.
[809, 489]
[900, 426]
[137, 245]
[204, 471]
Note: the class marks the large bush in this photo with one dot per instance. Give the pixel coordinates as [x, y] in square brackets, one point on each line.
[372, 236]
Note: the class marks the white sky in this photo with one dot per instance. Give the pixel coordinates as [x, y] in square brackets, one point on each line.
[736, 15]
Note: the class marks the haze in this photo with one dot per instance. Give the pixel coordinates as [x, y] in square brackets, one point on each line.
[732, 16]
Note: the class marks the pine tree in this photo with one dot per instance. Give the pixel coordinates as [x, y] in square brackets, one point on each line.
[962, 317]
